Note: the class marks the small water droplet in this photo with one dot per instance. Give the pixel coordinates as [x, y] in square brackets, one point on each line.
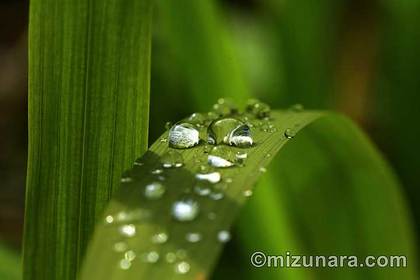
[126, 180]
[183, 135]
[196, 119]
[168, 125]
[289, 133]
[185, 210]
[154, 190]
[120, 247]
[181, 254]
[193, 237]
[297, 108]
[211, 216]
[213, 177]
[247, 193]
[109, 219]
[258, 109]
[224, 107]
[157, 171]
[170, 257]
[216, 195]
[125, 264]
[150, 257]
[223, 236]
[130, 255]
[138, 163]
[172, 159]
[160, 237]
[221, 157]
[202, 190]
[263, 169]
[128, 230]
[182, 267]
[268, 155]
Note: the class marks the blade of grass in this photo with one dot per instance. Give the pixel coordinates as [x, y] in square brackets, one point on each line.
[88, 119]
[148, 217]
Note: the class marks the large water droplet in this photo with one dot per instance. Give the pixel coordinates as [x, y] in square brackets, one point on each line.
[223, 236]
[182, 267]
[193, 237]
[290, 133]
[154, 190]
[185, 210]
[229, 131]
[183, 135]
[221, 156]
[172, 159]
[213, 177]
[258, 109]
[128, 230]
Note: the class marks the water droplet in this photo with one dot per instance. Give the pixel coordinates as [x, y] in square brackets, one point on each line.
[157, 171]
[120, 247]
[289, 133]
[202, 190]
[263, 169]
[172, 159]
[193, 237]
[126, 180]
[247, 193]
[181, 254]
[154, 190]
[130, 255]
[297, 108]
[223, 236]
[185, 210]
[183, 135]
[150, 257]
[213, 177]
[224, 107]
[109, 219]
[128, 230]
[268, 155]
[125, 264]
[220, 157]
[182, 267]
[160, 237]
[258, 109]
[170, 257]
[241, 155]
[216, 195]
[229, 131]
[138, 163]
[197, 119]
[168, 125]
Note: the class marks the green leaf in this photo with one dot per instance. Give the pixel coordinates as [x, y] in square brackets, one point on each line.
[88, 119]
[10, 268]
[331, 151]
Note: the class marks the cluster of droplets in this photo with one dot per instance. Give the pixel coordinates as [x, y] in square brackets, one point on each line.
[223, 133]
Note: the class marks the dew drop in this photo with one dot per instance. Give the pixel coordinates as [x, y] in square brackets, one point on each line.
[109, 219]
[216, 195]
[223, 236]
[120, 247]
[125, 264]
[196, 119]
[160, 237]
[182, 267]
[289, 133]
[172, 159]
[258, 109]
[202, 190]
[168, 125]
[221, 157]
[128, 230]
[185, 210]
[263, 169]
[247, 193]
[157, 171]
[213, 177]
[154, 190]
[224, 107]
[170, 257]
[193, 237]
[130, 255]
[229, 131]
[150, 257]
[183, 135]
[126, 180]
[138, 163]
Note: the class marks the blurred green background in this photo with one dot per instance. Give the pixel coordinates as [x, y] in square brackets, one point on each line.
[358, 57]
